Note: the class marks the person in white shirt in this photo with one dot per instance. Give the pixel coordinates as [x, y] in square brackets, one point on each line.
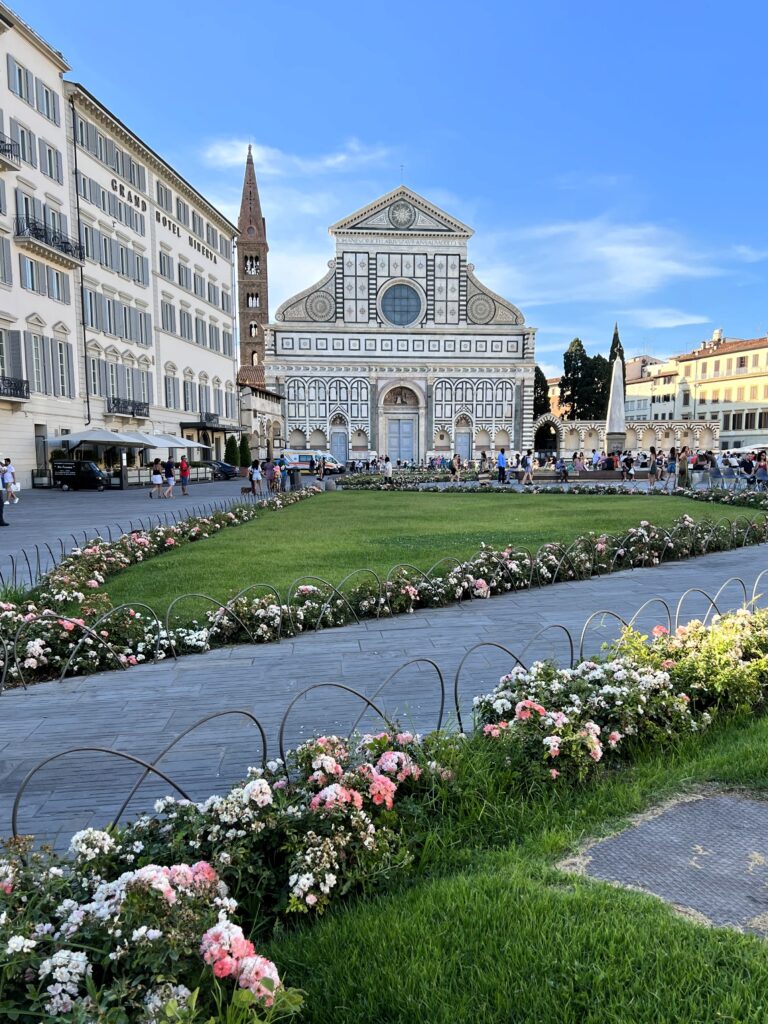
[9, 479]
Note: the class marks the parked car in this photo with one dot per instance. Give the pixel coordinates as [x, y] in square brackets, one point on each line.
[299, 459]
[222, 470]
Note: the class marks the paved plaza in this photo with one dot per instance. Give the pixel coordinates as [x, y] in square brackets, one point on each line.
[141, 710]
[48, 516]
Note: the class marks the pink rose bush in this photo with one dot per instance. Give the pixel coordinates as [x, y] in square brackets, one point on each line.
[575, 717]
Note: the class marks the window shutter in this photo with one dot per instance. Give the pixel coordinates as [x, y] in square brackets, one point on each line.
[39, 95]
[47, 366]
[64, 224]
[121, 388]
[15, 364]
[30, 86]
[145, 269]
[70, 360]
[42, 146]
[53, 357]
[103, 390]
[136, 384]
[101, 312]
[3, 202]
[32, 149]
[201, 397]
[65, 288]
[150, 397]
[142, 180]
[134, 318]
[59, 168]
[95, 191]
[28, 362]
[112, 204]
[7, 266]
[37, 206]
[114, 246]
[90, 135]
[41, 279]
[12, 75]
[14, 130]
[49, 271]
[118, 317]
[109, 151]
[56, 111]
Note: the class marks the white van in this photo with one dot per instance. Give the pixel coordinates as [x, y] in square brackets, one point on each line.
[299, 459]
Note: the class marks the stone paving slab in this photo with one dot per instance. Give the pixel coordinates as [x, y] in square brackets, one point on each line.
[143, 709]
[708, 857]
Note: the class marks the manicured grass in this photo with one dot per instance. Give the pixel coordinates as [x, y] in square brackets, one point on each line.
[499, 935]
[336, 533]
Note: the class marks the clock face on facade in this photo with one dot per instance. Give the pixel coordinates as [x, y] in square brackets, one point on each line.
[402, 214]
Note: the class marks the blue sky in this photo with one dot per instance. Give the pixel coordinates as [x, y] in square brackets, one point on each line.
[611, 157]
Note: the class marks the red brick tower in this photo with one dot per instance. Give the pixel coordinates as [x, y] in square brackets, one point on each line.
[252, 275]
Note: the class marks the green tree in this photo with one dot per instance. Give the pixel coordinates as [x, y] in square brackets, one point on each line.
[600, 371]
[576, 382]
[540, 394]
[232, 451]
[245, 451]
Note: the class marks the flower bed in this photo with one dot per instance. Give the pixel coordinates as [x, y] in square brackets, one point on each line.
[155, 921]
[48, 636]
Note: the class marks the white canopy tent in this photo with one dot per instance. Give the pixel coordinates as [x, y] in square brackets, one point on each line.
[171, 441]
[101, 437]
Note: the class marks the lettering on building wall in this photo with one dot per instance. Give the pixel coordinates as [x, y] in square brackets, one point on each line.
[129, 196]
[202, 249]
[167, 223]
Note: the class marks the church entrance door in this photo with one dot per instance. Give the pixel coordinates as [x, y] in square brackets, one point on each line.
[340, 446]
[401, 438]
[464, 444]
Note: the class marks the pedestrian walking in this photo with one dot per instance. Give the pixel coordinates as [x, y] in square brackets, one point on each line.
[387, 468]
[156, 479]
[184, 476]
[170, 478]
[269, 474]
[311, 465]
[527, 463]
[501, 466]
[2, 502]
[653, 469]
[683, 477]
[9, 482]
[254, 475]
[671, 466]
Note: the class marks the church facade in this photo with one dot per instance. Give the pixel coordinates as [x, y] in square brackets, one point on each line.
[399, 349]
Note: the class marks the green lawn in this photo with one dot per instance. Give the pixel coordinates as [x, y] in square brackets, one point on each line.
[336, 533]
[491, 932]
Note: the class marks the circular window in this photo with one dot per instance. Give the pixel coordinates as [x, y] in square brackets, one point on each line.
[401, 304]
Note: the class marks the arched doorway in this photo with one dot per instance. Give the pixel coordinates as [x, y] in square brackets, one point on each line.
[463, 435]
[401, 422]
[545, 438]
[339, 439]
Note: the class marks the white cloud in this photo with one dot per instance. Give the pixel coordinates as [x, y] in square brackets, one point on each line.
[270, 161]
[748, 254]
[598, 260]
[664, 317]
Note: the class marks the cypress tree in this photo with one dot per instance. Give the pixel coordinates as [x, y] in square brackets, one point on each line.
[245, 451]
[540, 394]
[600, 370]
[232, 451]
[576, 382]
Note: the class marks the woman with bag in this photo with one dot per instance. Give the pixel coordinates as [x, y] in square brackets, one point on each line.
[170, 478]
[156, 479]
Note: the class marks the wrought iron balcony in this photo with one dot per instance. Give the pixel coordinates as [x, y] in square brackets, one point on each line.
[48, 242]
[10, 154]
[14, 387]
[211, 418]
[127, 407]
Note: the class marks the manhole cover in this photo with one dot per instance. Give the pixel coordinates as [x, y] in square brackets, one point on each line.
[708, 855]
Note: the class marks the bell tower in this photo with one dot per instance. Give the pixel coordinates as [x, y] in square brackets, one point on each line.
[252, 275]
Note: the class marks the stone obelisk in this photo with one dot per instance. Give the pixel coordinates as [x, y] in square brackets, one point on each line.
[616, 426]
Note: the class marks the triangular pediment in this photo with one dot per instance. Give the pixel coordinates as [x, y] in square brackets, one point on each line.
[401, 212]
